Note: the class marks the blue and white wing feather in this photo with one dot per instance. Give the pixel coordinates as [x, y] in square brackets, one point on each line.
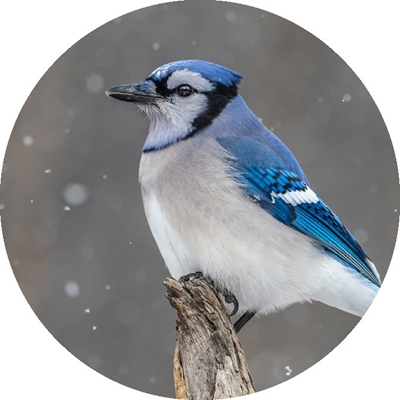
[281, 191]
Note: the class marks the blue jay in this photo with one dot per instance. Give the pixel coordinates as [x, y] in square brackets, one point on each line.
[224, 196]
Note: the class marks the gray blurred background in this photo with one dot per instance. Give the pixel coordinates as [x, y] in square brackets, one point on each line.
[72, 215]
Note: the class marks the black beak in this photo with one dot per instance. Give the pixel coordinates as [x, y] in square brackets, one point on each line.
[133, 94]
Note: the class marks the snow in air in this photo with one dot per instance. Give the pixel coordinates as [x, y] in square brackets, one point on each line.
[2, 206]
[28, 140]
[230, 16]
[156, 46]
[87, 310]
[72, 289]
[107, 287]
[95, 83]
[75, 194]
[66, 208]
[288, 370]
[361, 236]
[47, 171]
[94, 361]
[346, 97]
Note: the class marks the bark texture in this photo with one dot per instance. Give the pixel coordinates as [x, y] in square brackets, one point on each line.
[209, 362]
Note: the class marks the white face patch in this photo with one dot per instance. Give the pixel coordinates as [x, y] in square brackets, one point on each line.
[173, 120]
[191, 78]
[173, 117]
[181, 113]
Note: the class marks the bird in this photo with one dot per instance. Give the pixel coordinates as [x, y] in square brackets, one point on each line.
[225, 197]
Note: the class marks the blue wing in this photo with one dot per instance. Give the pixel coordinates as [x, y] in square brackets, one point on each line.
[281, 189]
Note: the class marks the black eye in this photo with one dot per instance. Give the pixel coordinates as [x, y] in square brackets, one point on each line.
[185, 90]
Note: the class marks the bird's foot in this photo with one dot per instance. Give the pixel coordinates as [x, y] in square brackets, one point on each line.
[190, 277]
[227, 295]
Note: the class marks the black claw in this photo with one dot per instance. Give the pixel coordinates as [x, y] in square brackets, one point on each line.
[230, 298]
[235, 308]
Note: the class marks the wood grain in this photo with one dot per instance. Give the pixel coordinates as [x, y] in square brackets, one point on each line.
[209, 362]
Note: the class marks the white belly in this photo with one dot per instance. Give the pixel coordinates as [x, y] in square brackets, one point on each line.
[202, 222]
[175, 253]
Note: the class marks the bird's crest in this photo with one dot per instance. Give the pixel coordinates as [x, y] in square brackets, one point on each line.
[213, 72]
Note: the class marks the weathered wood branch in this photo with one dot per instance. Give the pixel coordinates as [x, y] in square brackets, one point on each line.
[209, 362]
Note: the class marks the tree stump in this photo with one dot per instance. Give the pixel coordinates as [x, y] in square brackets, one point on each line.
[209, 362]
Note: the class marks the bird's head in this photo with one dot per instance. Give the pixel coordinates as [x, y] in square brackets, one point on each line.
[181, 97]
